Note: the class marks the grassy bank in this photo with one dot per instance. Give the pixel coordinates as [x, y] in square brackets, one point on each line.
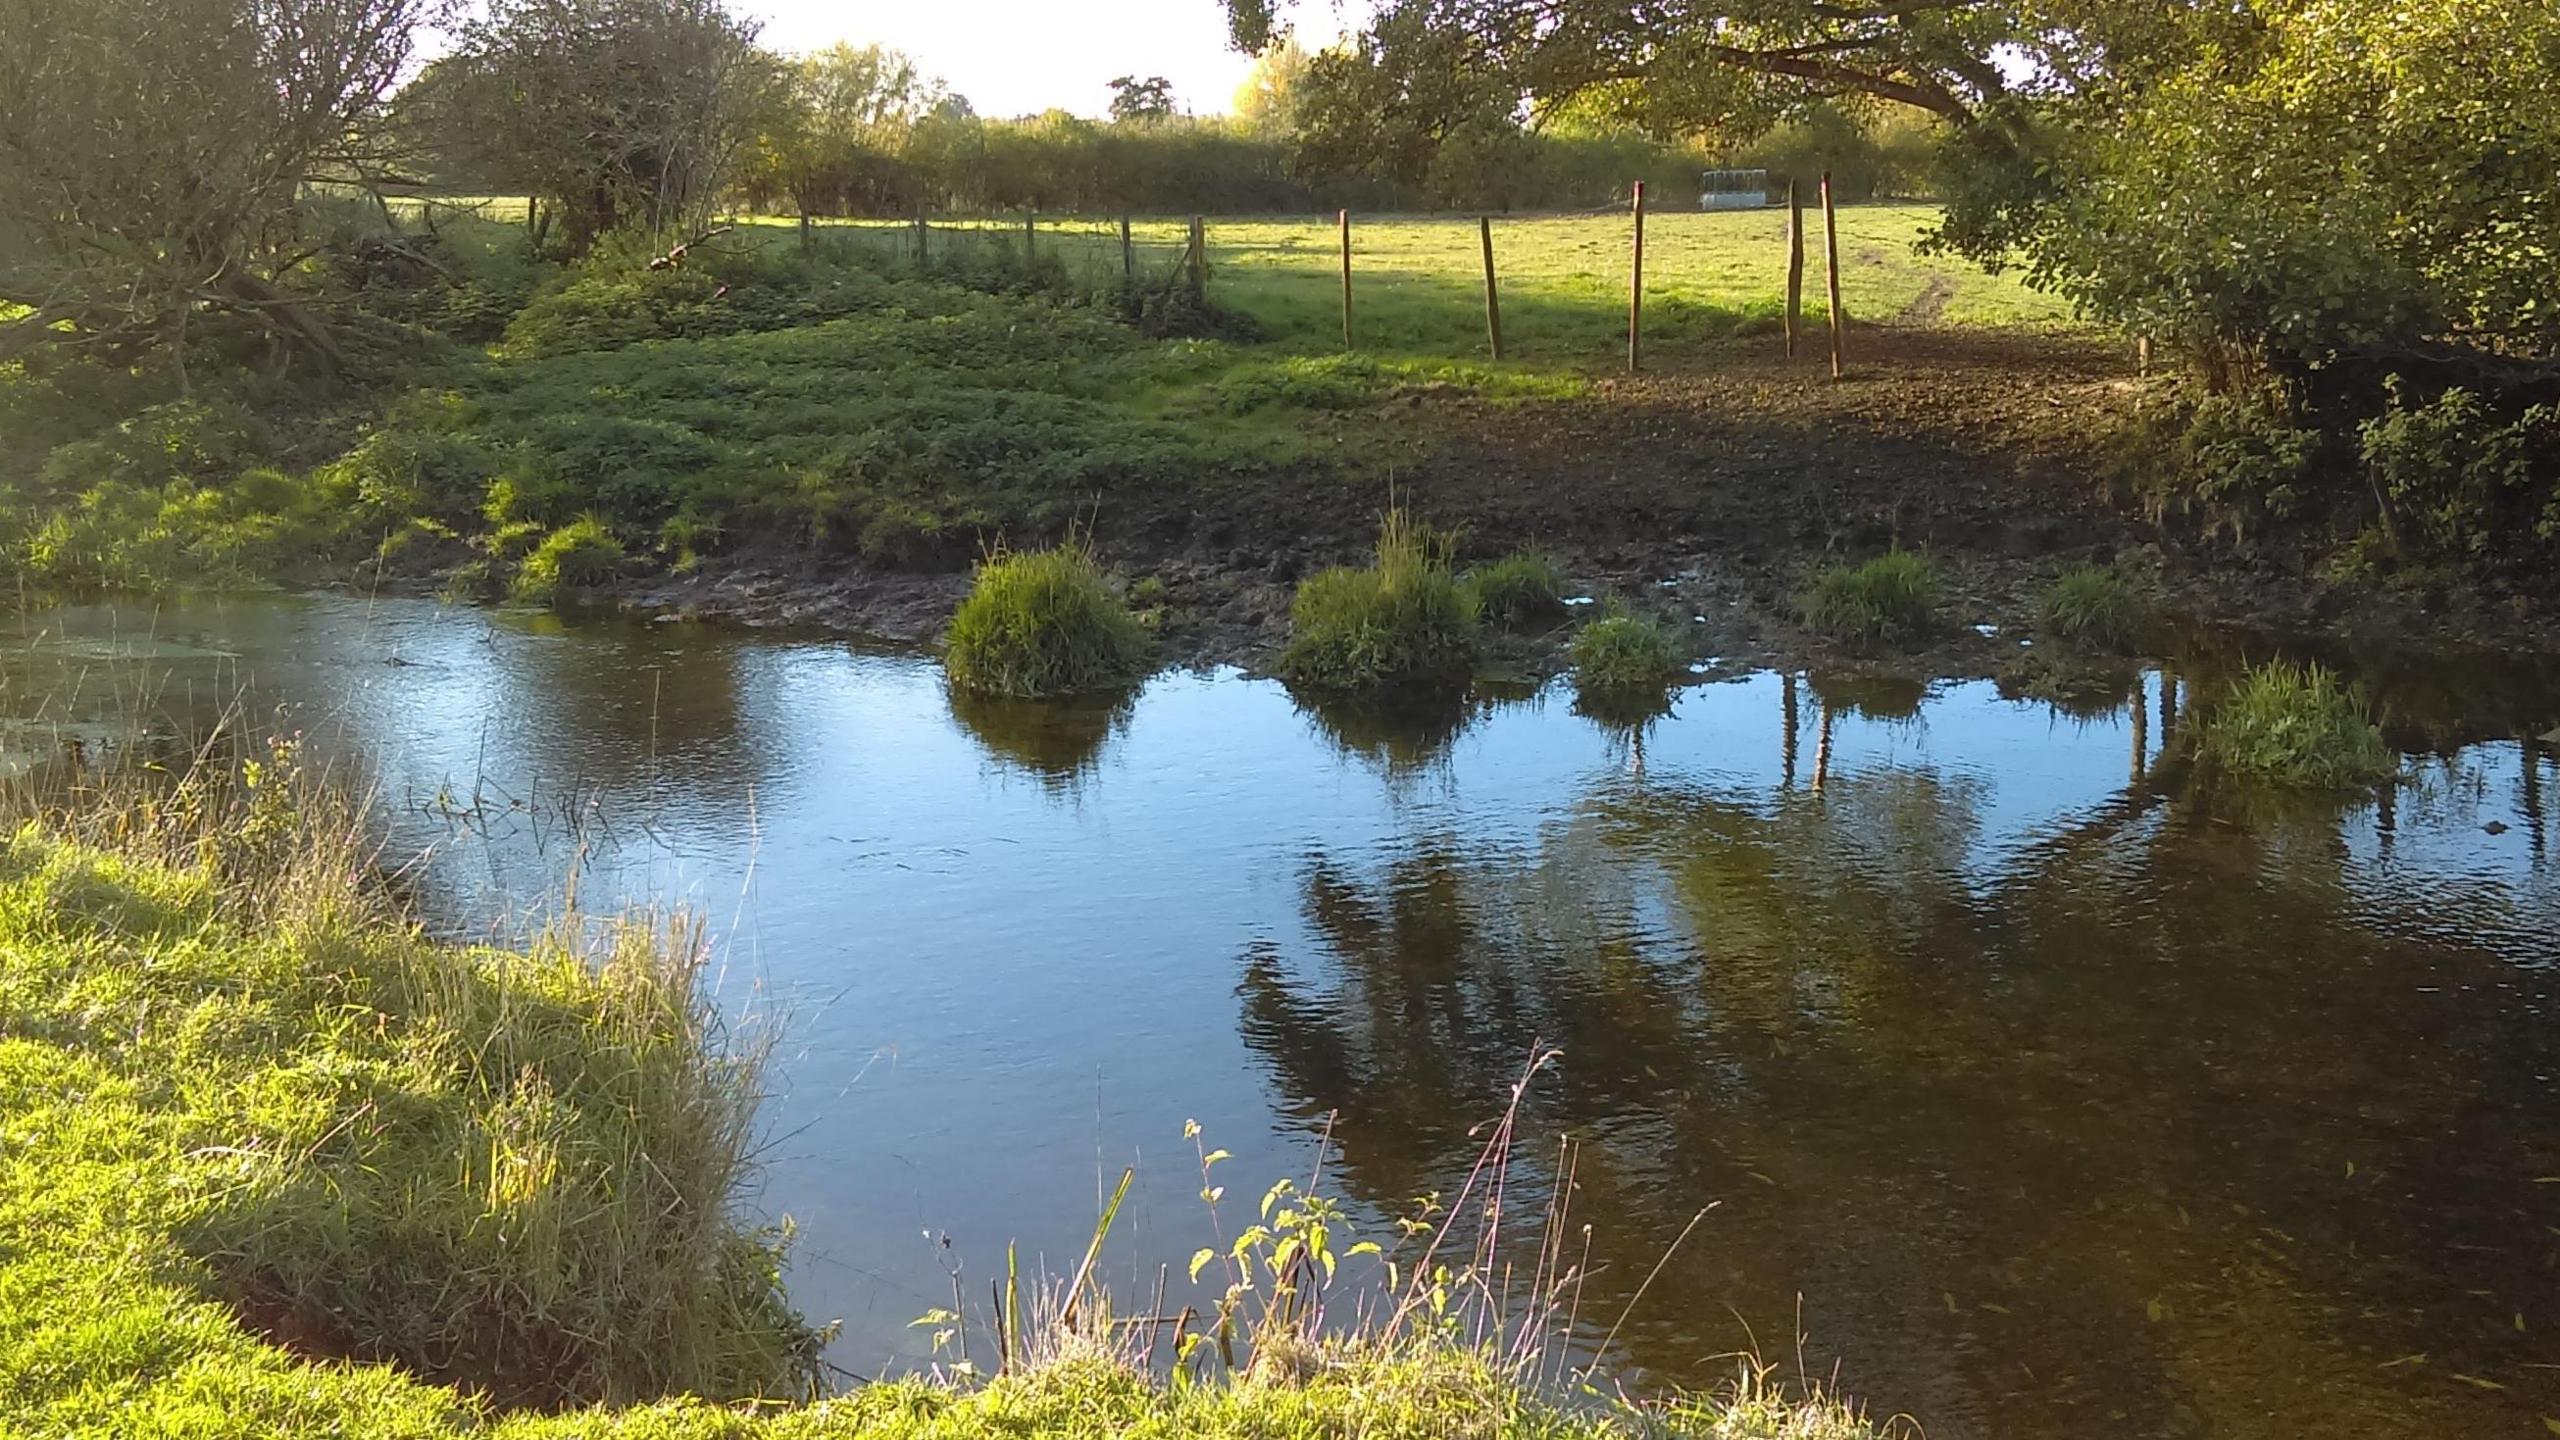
[515, 427]
[276, 1164]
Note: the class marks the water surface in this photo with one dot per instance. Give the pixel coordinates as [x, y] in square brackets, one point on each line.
[2050, 1089]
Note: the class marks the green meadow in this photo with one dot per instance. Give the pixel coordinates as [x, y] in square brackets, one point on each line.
[1418, 281]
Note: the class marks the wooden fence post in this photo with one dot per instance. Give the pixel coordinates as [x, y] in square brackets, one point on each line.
[1635, 291]
[1030, 233]
[1128, 257]
[1795, 267]
[1345, 220]
[1492, 297]
[1199, 261]
[1831, 264]
[920, 234]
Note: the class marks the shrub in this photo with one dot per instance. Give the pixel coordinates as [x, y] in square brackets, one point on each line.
[2091, 605]
[1892, 599]
[2296, 725]
[1623, 653]
[1042, 623]
[1517, 588]
[2458, 481]
[2240, 460]
[580, 553]
[1403, 620]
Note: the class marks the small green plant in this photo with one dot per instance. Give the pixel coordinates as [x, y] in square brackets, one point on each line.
[1623, 654]
[1890, 600]
[2093, 606]
[578, 554]
[1403, 620]
[1043, 623]
[1518, 588]
[2297, 725]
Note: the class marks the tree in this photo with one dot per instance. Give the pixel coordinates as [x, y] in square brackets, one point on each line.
[608, 111]
[1143, 102]
[832, 142]
[1267, 100]
[154, 154]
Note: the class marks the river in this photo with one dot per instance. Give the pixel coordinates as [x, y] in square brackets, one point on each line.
[2042, 1087]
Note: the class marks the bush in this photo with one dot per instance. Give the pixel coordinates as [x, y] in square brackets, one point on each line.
[2240, 460]
[576, 555]
[1403, 620]
[2458, 481]
[1040, 624]
[1892, 599]
[1517, 588]
[1624, 654]
[2091, 605]
[2296, 725]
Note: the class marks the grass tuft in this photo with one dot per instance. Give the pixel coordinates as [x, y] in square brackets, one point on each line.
[2299, 726]
[1405, 620]
[1518, 588]
[578, 554]
[1043, 623]
[2093, 606]
[1890, 600]
[1623, 654]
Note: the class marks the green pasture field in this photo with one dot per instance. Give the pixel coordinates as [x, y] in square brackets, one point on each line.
[1418, 281]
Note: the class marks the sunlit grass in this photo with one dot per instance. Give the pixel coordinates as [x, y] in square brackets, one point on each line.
[1404, 620]
[1418, 281]
[1042, 623]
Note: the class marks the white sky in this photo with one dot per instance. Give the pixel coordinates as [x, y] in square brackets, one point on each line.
[1019, 57]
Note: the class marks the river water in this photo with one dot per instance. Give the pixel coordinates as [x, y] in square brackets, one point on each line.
[2041, 1087]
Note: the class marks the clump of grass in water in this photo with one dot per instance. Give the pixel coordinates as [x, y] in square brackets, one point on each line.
[2297, 725]
[1890, 600]
[1518, 588]
[580, 553]
[1620, 654]
[1043, 623]
[1404, 620]
[2093, 606]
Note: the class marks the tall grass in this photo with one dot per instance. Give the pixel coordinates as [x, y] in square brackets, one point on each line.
[2296, 725]
[1043, 623]
[1403, 621]
[516, 1171]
